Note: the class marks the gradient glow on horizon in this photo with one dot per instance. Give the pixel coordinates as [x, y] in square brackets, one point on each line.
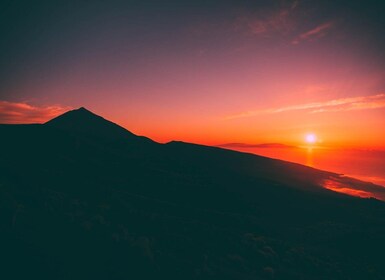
[206, 72]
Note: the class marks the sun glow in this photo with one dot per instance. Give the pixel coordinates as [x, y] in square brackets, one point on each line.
[310, 138]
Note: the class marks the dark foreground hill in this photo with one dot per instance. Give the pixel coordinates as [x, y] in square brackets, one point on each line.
[82, 198]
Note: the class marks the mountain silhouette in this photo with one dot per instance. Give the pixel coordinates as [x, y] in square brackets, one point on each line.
[83, 198]
[83, 122]
[263, 145]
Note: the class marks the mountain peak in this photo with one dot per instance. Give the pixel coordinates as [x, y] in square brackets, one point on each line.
[82, 109]
[83, 122]
[76, 116]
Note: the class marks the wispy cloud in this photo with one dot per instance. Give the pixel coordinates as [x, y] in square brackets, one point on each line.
[17, 113]
[275, 22]
[312, 34]
[269, 21]
[335, 105]
[278, 21]
[282, 21]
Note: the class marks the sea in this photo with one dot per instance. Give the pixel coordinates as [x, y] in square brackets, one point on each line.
[363, 164]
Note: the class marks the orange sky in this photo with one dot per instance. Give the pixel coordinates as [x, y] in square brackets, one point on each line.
[343, 126]
[211, 73]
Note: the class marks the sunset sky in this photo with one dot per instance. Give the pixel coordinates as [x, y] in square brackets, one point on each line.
[210, 72]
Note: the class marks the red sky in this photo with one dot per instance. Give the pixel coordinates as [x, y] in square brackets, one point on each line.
[262, 72]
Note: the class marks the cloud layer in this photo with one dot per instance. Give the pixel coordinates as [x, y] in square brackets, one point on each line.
[18, 113]
[335, 105]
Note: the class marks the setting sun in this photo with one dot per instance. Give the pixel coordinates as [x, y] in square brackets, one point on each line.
[310, 138]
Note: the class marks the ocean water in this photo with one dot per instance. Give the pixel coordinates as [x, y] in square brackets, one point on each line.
[366, 165]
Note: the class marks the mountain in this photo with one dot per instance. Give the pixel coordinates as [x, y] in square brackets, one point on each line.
[263, 145]
[83, 198]
[85, 123]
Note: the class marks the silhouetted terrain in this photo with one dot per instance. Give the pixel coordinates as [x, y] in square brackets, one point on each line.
[82, 198]
[263, 145]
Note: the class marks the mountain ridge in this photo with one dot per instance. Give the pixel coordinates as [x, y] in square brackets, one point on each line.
[261, 145]
[83, 121]
[77, 205]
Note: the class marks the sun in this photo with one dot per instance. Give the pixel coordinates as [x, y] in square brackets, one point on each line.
[310, 138]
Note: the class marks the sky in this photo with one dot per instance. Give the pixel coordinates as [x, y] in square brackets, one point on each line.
[209, 72]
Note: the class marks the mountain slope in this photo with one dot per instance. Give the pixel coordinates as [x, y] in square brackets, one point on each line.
[74, 204]
[85, 123]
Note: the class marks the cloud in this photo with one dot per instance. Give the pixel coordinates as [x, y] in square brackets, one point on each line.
[279, 21]
[294, 4]
[268, 21]
[272, 21]
[315, 33]
[335, 105]
[18, 113]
